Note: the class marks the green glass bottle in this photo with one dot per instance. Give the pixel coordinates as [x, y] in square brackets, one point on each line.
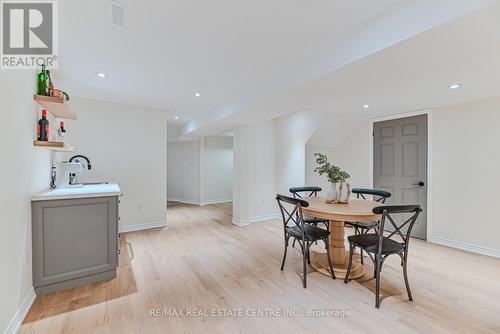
[42, 82]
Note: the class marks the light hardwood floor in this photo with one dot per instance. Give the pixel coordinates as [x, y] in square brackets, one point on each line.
[202, 262]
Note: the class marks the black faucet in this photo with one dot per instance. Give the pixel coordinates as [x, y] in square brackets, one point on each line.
[76, 158]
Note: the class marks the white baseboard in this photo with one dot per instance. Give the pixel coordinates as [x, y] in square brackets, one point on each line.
[183, 200]
[140, 227]
[255, 219]
[217, 201]
[18, 318]
[197, 202]
[466, 246]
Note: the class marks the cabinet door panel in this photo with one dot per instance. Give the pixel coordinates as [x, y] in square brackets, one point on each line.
[73, 238]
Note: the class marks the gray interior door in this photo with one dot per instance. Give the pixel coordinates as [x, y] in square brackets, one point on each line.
[400, 164]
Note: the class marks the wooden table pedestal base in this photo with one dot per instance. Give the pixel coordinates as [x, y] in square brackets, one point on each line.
[320, 263]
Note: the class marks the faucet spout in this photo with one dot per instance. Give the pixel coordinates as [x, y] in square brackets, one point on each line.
[77, 158]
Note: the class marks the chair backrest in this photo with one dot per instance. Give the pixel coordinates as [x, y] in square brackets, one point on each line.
[294, 211]
[307, 191]
[379, 195]
[387, 213]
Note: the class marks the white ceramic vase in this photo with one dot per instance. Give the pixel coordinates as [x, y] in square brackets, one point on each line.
[333, 193]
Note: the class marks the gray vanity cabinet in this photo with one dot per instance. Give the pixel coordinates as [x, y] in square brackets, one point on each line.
[75, 242]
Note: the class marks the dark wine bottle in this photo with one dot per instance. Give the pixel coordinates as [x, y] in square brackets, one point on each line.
[43, 127]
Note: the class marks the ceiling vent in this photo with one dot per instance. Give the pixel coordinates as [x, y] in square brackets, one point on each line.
[117, 11]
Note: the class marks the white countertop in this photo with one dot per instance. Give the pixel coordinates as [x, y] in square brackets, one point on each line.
[90, 190]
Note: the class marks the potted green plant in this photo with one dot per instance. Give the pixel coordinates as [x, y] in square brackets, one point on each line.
[337, 177]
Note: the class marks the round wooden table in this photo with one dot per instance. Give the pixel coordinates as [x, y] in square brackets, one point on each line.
[356, 210]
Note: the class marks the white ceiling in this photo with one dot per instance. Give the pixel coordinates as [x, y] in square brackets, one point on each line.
[253, 60]
[169, 50]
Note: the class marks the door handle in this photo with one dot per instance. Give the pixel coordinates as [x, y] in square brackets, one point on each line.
[420, 184]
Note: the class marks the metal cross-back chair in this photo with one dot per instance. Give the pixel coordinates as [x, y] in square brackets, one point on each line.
[363, 227]
[308, 191]
[305, 234]
[382, 246]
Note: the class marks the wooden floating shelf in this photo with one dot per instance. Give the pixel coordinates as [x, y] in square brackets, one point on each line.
[48, 143]
[56, 106]
[54, 145]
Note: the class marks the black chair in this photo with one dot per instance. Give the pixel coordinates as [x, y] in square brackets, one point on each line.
[364, 227]
[308, 191]
[382, 246]
[304, 234]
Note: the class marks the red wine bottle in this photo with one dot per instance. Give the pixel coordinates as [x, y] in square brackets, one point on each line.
[43, 127]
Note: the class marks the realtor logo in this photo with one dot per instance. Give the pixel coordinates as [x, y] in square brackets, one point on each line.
[29, 34]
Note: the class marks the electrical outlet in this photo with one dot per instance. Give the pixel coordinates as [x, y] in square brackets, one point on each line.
[262, 201]
[139, 207]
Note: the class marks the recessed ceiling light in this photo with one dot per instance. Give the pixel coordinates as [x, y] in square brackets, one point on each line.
[100, 75]
[176, 117]
[366, 106]
[197, 94]
[454, 86]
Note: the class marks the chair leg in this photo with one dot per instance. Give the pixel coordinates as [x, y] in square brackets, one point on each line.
[284, 254]
[293, 243]
[304, 263]
[375, 266]
[308, 256]
[351, 251]
[356, 232]
[327, 246]
[316, 242]
[377, 285]
[405, 275]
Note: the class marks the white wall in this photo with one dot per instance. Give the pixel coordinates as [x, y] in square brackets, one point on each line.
[201, 172]
[352, 155]
[126, 145]
[184, 172]
[218, 165]
[292, 134]
[467, 173]
[255, 172]
[269, 158]
[24, 171]
[172, 133]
